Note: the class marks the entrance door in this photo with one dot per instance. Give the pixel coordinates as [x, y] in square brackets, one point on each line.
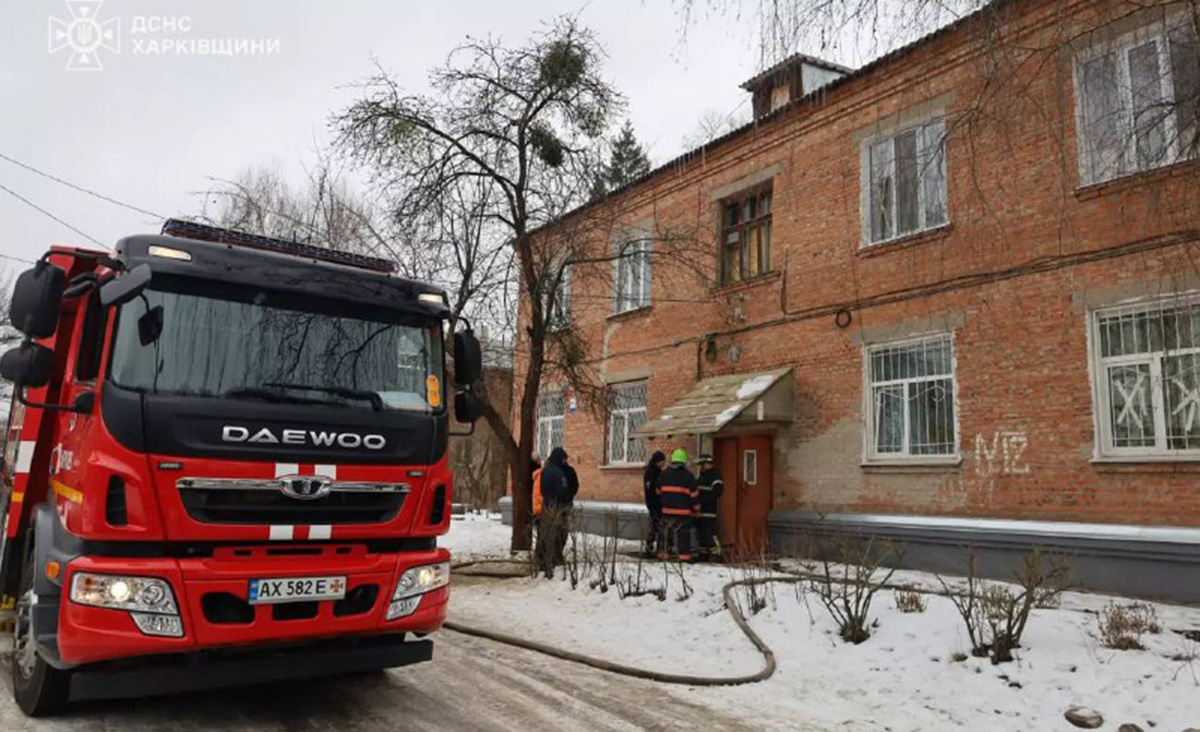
[745, 465]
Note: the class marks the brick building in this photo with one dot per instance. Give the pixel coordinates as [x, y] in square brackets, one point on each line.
[950, 296]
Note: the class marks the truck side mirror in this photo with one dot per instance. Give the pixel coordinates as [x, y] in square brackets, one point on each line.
[36, 298]
[29, 364]
[468, 359]
[467, 407]
[125, 287]
[150, 325]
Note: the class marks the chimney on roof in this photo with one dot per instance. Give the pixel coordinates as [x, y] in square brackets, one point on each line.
[789, 80]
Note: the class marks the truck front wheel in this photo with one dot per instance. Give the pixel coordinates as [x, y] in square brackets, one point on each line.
[39, 688]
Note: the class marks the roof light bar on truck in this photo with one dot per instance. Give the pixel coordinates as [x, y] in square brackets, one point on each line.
[203, 232]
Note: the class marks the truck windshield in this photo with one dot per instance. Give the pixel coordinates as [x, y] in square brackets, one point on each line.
[262, 345]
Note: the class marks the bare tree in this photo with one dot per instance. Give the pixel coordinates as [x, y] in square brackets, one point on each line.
[713, 124]
[523, 123]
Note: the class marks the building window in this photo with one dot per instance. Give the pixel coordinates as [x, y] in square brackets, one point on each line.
[633, 274]
[626, 412]
[1138, 101]
[906, 182]
[551, 406]
[746, 236]
[559, 302]
[911, 387]
[1148, 379]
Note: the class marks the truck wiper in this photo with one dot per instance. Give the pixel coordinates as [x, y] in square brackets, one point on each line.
[361, 395]
[268, 395]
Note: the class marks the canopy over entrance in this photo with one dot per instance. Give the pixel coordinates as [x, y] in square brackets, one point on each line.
[723, 401]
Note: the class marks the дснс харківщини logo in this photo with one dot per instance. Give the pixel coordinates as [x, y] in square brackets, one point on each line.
[85, 35]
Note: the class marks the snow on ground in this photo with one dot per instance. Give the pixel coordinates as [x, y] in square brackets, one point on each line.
[903, 678]
[477, 536]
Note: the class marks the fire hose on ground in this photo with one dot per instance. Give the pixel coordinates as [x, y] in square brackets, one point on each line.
[685, 679]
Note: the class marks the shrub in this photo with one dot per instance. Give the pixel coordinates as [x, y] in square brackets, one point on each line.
[910, 601]
[846, 590]
[1122, 626]
[996, 615]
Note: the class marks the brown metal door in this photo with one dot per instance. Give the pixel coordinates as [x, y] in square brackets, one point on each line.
[745, 466]
[725, 450]
[754, 494]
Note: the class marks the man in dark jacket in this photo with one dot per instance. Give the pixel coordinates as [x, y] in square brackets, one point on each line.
[711, 486]
[680, 503]
[559, 486]
[653, 505]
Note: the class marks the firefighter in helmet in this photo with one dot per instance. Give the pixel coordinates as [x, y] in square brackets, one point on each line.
[680, 501]
[711, 486]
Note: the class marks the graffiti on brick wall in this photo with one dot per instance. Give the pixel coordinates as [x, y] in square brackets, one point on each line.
[1002, 454]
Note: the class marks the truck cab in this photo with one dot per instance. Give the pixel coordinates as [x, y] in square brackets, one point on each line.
[226, 460]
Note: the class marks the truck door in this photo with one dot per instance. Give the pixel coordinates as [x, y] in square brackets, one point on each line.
[68, 460]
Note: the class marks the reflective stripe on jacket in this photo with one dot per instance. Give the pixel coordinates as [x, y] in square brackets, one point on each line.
[677, 491]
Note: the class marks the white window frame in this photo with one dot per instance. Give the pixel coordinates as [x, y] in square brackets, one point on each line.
[927, 129]
[905, 457]
[1128, 165]
[612, 425]
[546, 423]
[1105, 451]
[750, 467]
[633, 259]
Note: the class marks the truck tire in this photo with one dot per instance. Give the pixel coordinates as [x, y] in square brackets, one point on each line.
[38, 688]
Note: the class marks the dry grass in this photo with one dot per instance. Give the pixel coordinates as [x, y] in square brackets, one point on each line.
[1122, 626]
[910, 601]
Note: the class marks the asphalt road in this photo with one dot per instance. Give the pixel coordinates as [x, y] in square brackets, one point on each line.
[472, 684]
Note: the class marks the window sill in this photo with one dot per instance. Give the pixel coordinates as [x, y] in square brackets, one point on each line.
[946, 464]
[1147, 463]
[621, 467]
[908, 240]
[1135, 179]
[630, 314]
[756, 281]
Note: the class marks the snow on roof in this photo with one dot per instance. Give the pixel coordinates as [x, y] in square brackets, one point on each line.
[712, 404]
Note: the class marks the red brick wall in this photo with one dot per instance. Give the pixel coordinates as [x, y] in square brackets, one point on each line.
[1026, 249]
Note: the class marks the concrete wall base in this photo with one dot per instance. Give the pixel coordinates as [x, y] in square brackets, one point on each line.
[1146, 562]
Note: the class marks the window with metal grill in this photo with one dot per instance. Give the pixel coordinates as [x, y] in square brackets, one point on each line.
[911, 387]
[626, 412]
[1148, 379]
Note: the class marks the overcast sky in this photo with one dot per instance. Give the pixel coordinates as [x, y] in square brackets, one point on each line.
[153, 130]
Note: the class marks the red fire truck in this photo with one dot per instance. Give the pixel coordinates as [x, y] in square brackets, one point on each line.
[225, 461]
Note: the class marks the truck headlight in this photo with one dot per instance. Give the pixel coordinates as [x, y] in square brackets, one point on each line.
[137, 594]
[414, 583]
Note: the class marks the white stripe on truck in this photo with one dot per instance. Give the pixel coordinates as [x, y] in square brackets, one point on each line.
[25, 455]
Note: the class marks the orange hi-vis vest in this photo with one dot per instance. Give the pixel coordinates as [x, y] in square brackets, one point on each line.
[537, 492]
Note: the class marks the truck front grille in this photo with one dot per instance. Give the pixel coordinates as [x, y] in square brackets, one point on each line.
[233, 501]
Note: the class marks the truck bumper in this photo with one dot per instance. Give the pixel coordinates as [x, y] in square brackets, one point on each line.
[172, 673]
[212, 597]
